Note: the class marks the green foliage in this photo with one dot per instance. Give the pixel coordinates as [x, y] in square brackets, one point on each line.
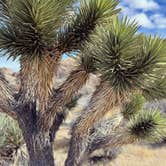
[4, 12]
[146, 125]
[87, 62]
[127, 60]
[110, 46]
[30, 26]
[149, 125]
[132, 107]
[155, 89]
[84, 21]
[10, 135]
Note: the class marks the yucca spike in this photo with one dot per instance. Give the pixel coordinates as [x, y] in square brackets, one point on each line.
[29, 27]
[133, 106]
[148, 125]
[84, 22]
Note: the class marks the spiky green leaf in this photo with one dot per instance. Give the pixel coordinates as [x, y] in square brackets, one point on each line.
[10, 135]
[148, 125]
[31, 25]
[132, 107]
[4, 10]
[155, 89]
[113, 46]
[124, 58]
[84, 22]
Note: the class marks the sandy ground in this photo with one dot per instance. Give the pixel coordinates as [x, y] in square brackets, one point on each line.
[131, 155]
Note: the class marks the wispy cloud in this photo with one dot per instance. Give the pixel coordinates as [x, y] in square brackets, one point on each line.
[142, 4]
[141, 17]
[159, 20]
[147, 13]
[143, 20]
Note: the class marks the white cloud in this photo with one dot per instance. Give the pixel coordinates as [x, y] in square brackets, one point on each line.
[154, 20]
[127, 11]
[142, 4]
[143, 20]
[159, 20]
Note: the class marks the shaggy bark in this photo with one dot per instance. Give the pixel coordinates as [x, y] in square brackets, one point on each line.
[7, 100]
[107, 134]
[56, 125]
[112, 140]
[37, 80]
[40, 150]
[77, 150]
[36, 86]
[103, 100]
[39, 143]
[62, 96]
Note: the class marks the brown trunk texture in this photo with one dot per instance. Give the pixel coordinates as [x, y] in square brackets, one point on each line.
[39, 144]
[40, 150]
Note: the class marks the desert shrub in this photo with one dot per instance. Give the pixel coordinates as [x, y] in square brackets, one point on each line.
[10, 137]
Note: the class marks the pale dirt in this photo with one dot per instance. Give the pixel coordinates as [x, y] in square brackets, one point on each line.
[131, 155]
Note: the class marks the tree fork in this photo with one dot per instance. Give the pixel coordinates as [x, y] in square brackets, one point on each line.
[62, 96]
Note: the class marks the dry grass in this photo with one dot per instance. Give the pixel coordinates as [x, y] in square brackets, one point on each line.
[131, 155]
[135, 155]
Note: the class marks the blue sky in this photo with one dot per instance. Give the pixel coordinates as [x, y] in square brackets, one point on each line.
[150, 14]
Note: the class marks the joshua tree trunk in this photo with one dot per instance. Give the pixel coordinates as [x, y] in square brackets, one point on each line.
[40, 140]
[77, 151]
[39, 143]
[103, 101]
[40, 150]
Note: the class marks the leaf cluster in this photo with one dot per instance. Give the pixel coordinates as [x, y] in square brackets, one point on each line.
[84, 22]
[127, 60]
[149, 125]
[143, 124]
[30, 26]
[133, 106]
[10, 135]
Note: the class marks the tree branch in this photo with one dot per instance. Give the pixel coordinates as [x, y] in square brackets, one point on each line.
[115, 139]
[103, 100]
[37, 79]
[6, 98]
[118, 131]
[84, 23]
[107, 134]
[62, 96]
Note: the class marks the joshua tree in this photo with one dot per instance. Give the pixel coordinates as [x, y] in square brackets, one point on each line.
[132, 125]
[38, 33]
